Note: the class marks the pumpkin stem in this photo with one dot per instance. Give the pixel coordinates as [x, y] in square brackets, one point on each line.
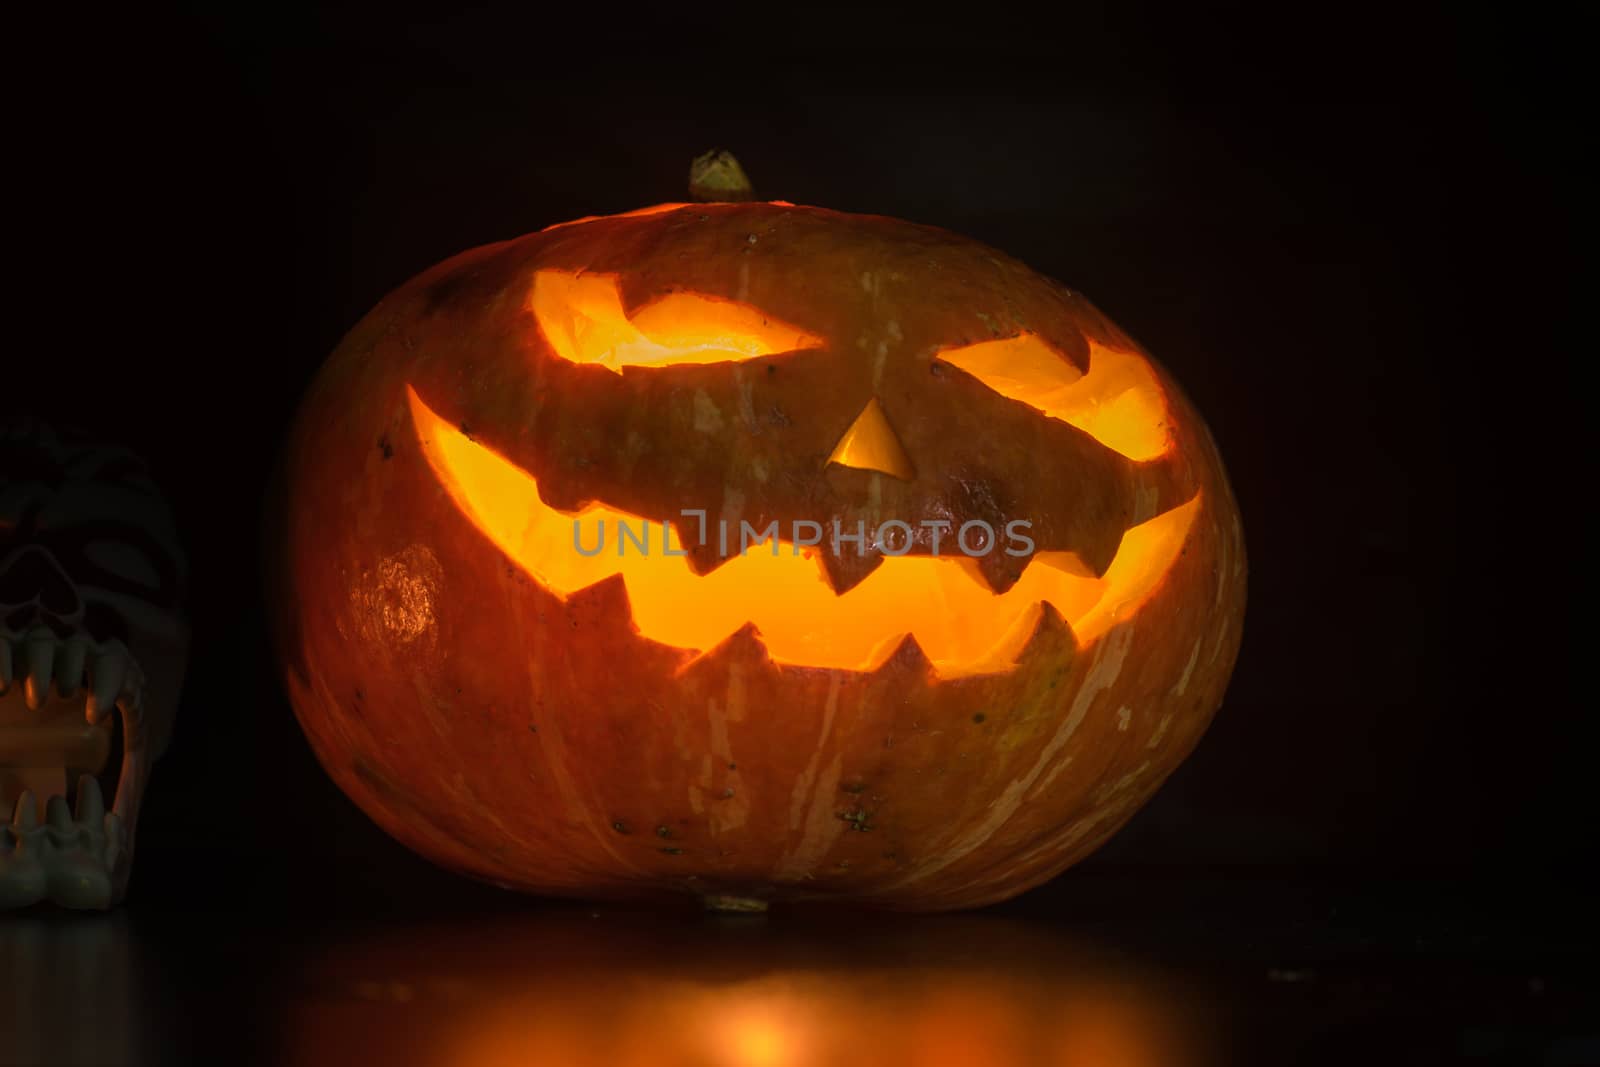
[732, 902]
[717, 176]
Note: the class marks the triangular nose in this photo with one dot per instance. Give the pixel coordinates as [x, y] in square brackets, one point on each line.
[870, 444]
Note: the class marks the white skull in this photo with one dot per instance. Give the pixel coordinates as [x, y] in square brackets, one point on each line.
[91, 579]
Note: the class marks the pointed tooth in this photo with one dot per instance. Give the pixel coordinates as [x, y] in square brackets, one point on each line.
[69, 666]
[846, 568]
[906, 659]
[999, 571]
[91, 809]
[5, 666]
[114, 840]
[110, 668]
[26, 815]
[41, 652]
[131, 698]
[130, 704]
[57, 813]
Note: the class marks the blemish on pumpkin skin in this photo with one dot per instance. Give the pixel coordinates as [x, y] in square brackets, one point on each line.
[879, 361]
[747, 407]
[1161, 730]
[1220, 568]
[1124, 783]
[1188, 669]
[620, 827]
[1124, 717]
[732, 510]
[1216, 645]
[811, 802]
[707, 416]
[395, 600]
[1147, 501]
[1109, 655]
[858, 820]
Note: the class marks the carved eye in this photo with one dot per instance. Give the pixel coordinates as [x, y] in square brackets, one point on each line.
[1118, 402]
[582, 317]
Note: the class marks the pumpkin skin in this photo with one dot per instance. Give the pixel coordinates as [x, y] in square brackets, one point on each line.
[539, 739]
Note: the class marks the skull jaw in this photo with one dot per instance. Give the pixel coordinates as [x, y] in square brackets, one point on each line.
[93, 646]
[54, 742]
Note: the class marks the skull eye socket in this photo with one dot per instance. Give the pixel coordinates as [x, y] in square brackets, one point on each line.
[32, 574]
[582, 318]
[1118, 402]
[123, 560]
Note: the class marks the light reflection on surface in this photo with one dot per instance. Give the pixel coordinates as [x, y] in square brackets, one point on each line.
[576, 988]
[77, 989]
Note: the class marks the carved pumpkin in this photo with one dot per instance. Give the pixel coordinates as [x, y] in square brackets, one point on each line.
[755, 551]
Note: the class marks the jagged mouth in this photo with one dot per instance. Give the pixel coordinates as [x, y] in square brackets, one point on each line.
[70, 718]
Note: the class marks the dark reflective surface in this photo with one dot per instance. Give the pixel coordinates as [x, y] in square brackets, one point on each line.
[579, 987]
[1105, 972]
[86, 989]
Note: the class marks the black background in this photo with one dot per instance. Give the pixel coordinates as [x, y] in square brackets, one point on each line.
[1349, 234]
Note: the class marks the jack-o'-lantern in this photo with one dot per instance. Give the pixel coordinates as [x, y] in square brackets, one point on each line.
[756, 551]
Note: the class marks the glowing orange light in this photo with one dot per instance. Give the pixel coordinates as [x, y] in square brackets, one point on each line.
[870, 444]
[582, 317]
[755, 1041]
[962, 626]
[794, 1018]
[1119, 402]
[653, 209]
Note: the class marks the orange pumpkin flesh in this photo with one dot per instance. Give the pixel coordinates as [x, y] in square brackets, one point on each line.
[882, 723]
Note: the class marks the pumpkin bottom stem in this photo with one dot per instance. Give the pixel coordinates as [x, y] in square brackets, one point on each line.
[732, 902]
